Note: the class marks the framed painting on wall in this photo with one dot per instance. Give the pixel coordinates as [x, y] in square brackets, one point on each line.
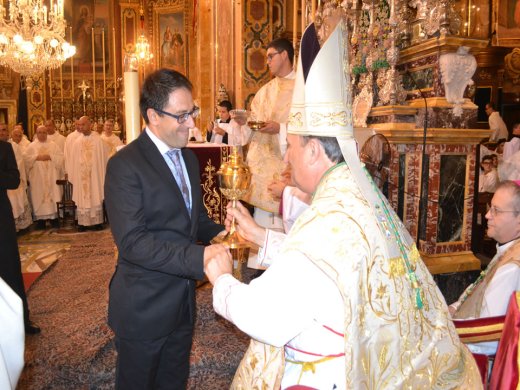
[171, 38]
[506, 22]
[89, 22]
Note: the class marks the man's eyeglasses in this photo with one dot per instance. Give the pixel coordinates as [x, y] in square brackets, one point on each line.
[270, 56]
[181, 118]
[494, 211]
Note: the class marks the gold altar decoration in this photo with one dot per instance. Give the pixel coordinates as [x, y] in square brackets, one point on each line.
[234, 178]
[32, 37]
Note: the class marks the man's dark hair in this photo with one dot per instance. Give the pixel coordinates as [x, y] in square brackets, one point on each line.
[157, 88]
[330, 145]
[283, 44]
[225, 103]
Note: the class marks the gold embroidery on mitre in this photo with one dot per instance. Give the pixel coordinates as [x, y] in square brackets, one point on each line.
[330, 119]
[295, 120]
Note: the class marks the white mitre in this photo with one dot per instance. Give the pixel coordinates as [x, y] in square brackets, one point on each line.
[321, 106]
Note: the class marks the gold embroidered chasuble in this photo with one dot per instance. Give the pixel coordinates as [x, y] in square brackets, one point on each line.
[389, 342]
[264, 157]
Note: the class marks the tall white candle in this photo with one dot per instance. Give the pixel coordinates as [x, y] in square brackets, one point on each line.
[132, 116]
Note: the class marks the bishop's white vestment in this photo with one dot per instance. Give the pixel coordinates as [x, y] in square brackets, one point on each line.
[337, 308]
[87, 175]
[42, 176]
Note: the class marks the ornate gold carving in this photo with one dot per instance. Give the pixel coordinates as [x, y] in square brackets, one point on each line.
[210, 195]
[295, 120]
[331, 119]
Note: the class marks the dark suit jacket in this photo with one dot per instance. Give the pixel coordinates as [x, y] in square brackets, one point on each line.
[159, 258]
[10, 269]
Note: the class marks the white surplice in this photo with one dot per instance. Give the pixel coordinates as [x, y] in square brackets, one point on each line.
[19, 198]
[496, 123]
[113, 142]
[87, 175]
[67, 150]
[42, 176]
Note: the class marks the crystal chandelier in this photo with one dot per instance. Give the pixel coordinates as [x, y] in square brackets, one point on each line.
[142, 46]
[32, 37]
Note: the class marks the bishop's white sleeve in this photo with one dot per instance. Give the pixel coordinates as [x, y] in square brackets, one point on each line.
[496, 298]
[282, 138]
[278, 305]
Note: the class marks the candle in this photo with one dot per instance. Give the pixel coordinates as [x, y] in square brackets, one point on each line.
[132, 118]
[313, 9]
[104, 71]
[304, 15]
[295, 22]
[61, 83]
[50, 81]
[93, 64]
[72, 68]
[114, 64]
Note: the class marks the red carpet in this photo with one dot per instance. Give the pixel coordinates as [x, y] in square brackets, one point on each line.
[29, 278]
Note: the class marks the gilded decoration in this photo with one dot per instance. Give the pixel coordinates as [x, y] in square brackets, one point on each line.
[512, 64]
[295, 120]
[212, 198]
[331, 119]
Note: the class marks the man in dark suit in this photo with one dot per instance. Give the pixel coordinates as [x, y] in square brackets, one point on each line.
[10, 268]
[153, 200]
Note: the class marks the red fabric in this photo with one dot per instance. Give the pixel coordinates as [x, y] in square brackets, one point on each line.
[479, 329]
[300, 387]
[505, 368]
[483, 366]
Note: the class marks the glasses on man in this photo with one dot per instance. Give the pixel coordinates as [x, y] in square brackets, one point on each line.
[494, 211]
[270, 56]
[181, 118]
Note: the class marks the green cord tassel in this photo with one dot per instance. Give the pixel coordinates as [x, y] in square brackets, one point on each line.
[418, 300]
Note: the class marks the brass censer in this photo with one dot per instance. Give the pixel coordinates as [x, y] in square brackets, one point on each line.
[234, 178]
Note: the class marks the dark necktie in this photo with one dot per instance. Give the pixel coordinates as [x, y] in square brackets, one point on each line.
[178, 173]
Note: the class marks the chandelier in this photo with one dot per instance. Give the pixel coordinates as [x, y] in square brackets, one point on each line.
[142, 46]
[32, 37]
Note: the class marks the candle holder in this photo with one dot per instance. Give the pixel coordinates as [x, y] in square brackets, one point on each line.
[234, 178]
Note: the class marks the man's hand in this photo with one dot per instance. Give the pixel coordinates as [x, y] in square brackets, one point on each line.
[276, 188]
[244, 223]
[219, 130]
[217, 261]
[271, 127]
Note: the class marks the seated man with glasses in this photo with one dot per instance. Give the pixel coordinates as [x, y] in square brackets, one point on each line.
[489, 295]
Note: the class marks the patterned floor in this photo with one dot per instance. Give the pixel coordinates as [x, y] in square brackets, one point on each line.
[39, 249]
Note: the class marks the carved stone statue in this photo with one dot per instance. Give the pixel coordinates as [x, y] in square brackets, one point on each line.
[456, 71]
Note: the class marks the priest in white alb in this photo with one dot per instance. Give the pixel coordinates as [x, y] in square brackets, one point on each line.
[43, 162]
[87, 175]
[112, 140]
[265, 154]
[67, 149]
[18, 197]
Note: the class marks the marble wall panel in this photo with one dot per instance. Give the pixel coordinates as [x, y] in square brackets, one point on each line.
[442, 117]
[404, 190]
[452, 184]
